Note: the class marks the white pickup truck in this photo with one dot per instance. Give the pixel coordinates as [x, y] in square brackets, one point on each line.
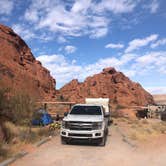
[86, 121]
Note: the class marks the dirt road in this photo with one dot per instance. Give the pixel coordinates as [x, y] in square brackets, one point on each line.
[116, 152]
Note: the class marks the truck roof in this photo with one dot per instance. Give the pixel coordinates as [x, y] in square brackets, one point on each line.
[100, 101]
[88, 105]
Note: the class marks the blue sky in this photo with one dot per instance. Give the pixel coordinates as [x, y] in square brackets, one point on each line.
[78, 38]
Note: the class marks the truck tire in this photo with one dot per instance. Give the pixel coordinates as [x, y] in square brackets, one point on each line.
[102, 141]
[110, 122]
[63, 141]
[106, 132]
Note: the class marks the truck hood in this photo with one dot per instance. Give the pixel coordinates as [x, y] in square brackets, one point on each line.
[84, 118]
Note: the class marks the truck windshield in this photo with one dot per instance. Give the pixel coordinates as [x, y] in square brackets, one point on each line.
[86, 110]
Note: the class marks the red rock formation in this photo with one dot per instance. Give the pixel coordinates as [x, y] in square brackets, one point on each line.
[19, 69]
[1, 134]
[107, 84]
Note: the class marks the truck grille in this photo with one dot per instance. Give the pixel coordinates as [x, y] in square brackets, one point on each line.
[80, 135]
[80, 126]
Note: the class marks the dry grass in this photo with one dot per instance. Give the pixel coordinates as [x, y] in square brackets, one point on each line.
[5, 152]
[16, 112]
[144, 129]
[18, 137]
[141, 130]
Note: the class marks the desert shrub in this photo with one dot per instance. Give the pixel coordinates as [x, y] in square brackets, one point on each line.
[9, 131]
[116, 114]
[33, 135]
[22, 107]
[43, 132]
[17, 107]
[4, 152]
[118, 106]
[27, 136]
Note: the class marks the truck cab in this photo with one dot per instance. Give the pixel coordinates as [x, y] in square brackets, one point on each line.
[85, 121]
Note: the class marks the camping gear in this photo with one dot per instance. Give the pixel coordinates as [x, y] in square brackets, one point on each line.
[54, 126]
[41, 117]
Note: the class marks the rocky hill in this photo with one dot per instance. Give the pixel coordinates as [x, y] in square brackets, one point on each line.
[109, 83]
[19, 69]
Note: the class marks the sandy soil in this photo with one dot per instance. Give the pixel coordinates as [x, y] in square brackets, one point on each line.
[116, 152]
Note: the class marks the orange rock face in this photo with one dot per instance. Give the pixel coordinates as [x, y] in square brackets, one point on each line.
[107, 84]
[1, 134]
[19, 69]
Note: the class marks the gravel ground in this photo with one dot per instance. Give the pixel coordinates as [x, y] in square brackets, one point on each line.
[116, 152]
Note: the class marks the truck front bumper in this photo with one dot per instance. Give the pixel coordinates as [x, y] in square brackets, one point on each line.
[93, 134]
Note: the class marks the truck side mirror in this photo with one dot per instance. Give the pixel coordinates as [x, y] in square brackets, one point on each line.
[107, 114]
[66, 113]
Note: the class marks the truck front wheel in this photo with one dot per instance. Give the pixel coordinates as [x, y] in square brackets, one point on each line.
[102, 141]
[64, 140]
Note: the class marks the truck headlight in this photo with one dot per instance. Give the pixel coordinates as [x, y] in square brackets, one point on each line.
[97, 125]
[64, 124]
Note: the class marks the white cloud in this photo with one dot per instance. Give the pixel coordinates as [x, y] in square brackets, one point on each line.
[154, 6]
[112, 45]
[70, 49]
[23, 32]
[61, 39]
[151, 61]
[64, 70]
[75, 21]
[137, 43]
[152, 57]
[28, 33]
[71, 24]
[6, 6]
[97, 33]
[61, 69]
[158, 43]
[120, 6]
[31, 15]
[81, 6]
[156, 90]
[76, 18]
